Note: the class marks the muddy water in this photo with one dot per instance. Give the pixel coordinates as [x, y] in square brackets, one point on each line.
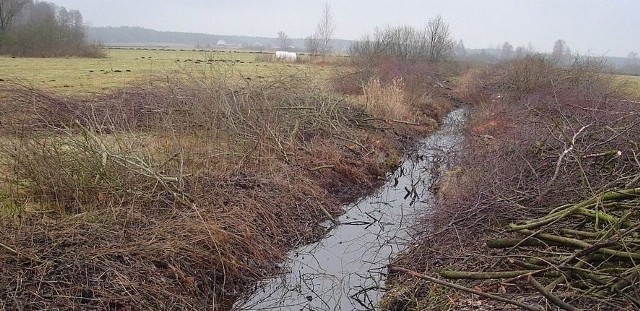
[346, 270]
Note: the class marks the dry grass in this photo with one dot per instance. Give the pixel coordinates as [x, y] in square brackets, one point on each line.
[387, 101]
[397, 91]
[629, 85]
[178, 196]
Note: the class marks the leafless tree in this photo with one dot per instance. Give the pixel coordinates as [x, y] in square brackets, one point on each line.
[438, 39]
[408, 44]
[561, 53]
[283, 40]
[324, 31]
[9, 9]
[312, 44]
[506, 52]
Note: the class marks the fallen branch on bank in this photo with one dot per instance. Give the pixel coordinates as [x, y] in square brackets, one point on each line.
[466, 289]
[591, 248]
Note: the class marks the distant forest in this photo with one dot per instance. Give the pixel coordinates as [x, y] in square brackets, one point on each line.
[42, 29]
[138, 36]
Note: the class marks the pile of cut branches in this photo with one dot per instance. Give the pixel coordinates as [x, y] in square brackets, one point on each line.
[543, 207]
[584, 250]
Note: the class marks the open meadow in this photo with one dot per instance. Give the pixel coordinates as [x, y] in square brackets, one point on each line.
[124, 66]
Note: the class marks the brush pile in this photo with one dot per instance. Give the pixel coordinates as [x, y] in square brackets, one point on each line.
[543, 207]
[179, 196]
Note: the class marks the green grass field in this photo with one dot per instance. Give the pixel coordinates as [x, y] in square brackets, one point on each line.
[123, 67]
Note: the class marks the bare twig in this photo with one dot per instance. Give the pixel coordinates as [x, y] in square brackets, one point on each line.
[466, 289]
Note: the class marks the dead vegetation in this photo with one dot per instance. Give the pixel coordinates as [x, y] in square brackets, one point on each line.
[178, 196]
[395, 90]
[542, 208]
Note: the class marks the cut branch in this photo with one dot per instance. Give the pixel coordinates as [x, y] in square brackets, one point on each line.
[466, 289]
[547, 294]
[495, 274]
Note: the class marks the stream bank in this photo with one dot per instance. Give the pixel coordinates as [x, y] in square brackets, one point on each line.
[346, 270]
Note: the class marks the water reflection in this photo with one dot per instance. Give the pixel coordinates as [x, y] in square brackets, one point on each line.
[346, 270]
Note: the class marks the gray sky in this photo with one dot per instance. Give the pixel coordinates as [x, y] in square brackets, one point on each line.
[605, 27]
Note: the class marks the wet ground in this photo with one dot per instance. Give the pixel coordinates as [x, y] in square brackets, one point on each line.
[346, 270]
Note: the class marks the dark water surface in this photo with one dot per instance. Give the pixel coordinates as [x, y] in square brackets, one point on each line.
[346, 270]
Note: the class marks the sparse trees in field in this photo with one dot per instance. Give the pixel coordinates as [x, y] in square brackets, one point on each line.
[406, 43]
[283, 40]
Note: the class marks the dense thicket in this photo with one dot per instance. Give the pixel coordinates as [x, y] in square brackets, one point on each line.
[43, 29]
[407, 43]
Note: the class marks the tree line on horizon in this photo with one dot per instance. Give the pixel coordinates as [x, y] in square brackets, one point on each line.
[43, 29]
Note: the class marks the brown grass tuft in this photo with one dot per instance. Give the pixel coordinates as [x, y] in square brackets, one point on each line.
[386, 101]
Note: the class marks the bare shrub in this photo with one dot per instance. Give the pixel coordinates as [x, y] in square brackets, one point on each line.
[97, 136]
[508, 79]
[180, 195]
[520, 138]
[77, 171]
[433, 44]
[520, 77]
[541, 137]
[425, 94]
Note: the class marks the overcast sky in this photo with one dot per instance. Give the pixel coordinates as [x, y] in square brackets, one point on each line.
[605, 27]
